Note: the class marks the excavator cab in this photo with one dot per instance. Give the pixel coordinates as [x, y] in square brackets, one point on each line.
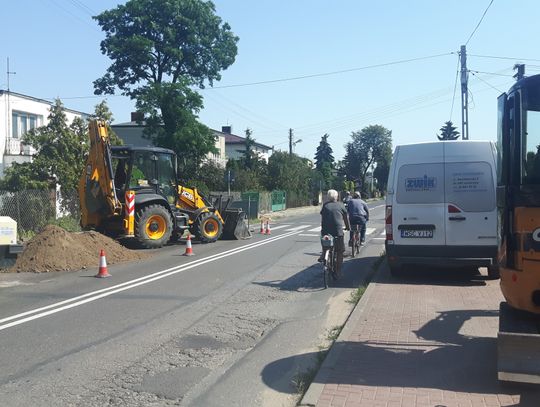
[148, 170]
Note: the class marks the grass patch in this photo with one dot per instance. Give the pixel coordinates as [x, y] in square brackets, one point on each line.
[334, 333]
[357, 294]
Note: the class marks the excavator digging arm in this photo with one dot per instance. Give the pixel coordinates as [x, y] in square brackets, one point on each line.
[97, 195]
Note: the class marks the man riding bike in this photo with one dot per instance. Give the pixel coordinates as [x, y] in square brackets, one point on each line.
[333, 220]
[358, 215]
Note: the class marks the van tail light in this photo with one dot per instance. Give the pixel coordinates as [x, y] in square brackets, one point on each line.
[388, 223]
[453, 209]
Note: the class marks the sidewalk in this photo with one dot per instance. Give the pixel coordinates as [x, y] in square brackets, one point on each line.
[422, 340]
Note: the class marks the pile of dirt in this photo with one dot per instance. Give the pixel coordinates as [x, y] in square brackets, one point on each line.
[55, 249]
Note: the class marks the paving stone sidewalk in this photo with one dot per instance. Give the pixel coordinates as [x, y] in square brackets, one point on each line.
[425, 339]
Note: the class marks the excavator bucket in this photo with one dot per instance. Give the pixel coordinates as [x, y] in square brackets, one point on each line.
[236, 226]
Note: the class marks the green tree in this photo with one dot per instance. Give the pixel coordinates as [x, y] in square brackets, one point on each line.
[448, 132]
[368, 146]
[104, 114]
[160, 50]
[60, 155]
[324, 153]
[290, 173]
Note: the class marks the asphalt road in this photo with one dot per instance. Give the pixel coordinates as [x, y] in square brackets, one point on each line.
[176, 330]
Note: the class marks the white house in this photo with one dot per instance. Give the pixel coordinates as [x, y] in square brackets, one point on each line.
[235, 146]
[18, 114]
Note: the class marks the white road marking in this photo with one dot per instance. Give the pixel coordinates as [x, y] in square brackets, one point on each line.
[297, 228]
[369, 231]
[105, 292]
[378, 238]
[278, 227]
[317, 229]
[378, 206]
[309, 234]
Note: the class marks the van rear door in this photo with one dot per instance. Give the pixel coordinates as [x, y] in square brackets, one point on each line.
[418, 206]
[471, 215]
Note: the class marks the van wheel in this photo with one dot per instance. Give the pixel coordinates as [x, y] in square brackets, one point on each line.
[396, 271]
[493, 272]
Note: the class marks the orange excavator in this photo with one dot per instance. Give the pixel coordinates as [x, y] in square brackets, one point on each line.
[134, 192]
[518, 199]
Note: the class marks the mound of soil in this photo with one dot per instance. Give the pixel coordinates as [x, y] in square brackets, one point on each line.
[55, 249]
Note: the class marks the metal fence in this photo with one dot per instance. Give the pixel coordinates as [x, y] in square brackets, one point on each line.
[33, 209]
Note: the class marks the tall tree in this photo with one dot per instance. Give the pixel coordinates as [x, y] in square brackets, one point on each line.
[324, 153]
[160, 50]
[104, 114]
[289, 172]
[60, 155]
[367, 147]
[448, 132]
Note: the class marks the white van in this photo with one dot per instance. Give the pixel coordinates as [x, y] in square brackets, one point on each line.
[441, 206]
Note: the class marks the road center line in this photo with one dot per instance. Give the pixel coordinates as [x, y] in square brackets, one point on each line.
[105, 292]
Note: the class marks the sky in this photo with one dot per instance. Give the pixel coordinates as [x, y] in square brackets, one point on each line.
[327, 67]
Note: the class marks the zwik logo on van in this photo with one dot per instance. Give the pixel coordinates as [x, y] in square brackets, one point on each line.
[424, 183]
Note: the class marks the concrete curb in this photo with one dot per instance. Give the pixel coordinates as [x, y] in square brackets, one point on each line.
[330, 362]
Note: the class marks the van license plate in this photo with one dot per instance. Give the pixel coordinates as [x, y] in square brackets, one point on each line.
[417, 233]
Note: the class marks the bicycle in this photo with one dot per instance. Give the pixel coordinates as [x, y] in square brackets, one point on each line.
[329, 259]
[355, 243]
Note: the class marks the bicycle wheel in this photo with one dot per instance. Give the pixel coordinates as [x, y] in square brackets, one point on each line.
[334, 263]
[326, 269]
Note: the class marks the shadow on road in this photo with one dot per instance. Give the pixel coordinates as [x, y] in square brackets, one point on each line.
[444, 360]
[354, 273]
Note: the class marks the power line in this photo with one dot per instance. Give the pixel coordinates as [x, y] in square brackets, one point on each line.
[294, 78]
[489, 73]
[487, 83]
[497, 57]
[455, 88]
[479, 22]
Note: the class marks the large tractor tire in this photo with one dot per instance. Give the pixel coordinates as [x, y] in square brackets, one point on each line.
[153, 226]
[207, 228]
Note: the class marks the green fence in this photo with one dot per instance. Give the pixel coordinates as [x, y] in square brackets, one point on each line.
[279, 201]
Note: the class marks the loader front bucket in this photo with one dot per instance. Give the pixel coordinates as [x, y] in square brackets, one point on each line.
[236, 226]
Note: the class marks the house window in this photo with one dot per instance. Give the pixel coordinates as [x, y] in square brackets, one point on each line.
[21, 122]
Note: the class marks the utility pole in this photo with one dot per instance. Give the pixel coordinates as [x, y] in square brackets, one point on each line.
[520, 74]
[464, 94]
[290, 141]
[7, 148]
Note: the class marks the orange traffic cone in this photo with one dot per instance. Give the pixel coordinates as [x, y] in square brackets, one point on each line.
[102, 266]
[189, 250]
[267, 227]
[262, 227]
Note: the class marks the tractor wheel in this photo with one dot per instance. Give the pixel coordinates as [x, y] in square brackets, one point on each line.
[207, 228]
[153, 226]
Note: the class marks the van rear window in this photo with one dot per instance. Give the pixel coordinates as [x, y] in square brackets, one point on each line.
[470, 186]
[420, 183]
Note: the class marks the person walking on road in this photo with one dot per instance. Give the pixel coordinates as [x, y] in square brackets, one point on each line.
[358, 215]
[333, 220]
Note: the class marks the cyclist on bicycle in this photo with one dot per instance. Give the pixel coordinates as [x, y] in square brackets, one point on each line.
[333, 220]
[358, 215]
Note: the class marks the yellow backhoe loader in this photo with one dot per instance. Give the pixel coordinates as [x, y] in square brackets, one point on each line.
[518, 201]
[128, 191]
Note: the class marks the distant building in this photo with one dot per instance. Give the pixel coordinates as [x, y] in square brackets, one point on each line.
[228, 145]
[19, 114]
[132, 133]
[235, 146]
